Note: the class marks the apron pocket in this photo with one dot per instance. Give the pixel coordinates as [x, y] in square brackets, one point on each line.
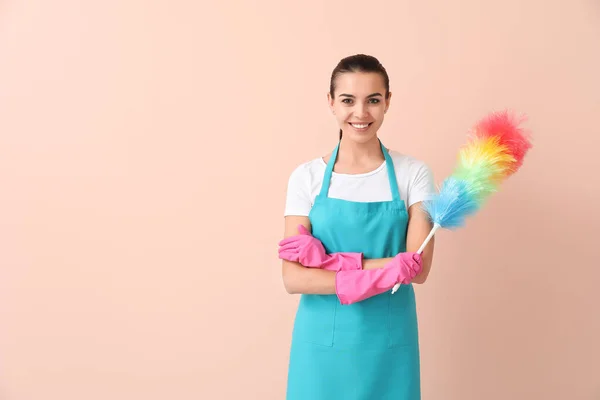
[403, 318]
[315, 319]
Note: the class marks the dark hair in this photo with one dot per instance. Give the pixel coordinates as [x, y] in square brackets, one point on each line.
[359, 63]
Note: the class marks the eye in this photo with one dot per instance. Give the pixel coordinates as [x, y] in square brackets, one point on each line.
[346, 101]
[374, 101]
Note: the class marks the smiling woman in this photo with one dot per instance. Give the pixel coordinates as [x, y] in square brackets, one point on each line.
[358, 108]
[352, 226]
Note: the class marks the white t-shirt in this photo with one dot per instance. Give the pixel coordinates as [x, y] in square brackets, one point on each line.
[415, 183]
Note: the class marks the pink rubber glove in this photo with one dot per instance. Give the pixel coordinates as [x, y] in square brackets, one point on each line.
[309, 251]
[355, 286]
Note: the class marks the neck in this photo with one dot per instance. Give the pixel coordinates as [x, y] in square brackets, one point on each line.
[353, 153]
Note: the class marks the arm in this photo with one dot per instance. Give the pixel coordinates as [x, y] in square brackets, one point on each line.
[374, 263]
[298, 279]
[419, 227]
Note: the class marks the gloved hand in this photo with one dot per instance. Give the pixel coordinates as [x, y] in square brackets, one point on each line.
[355, 286]
[310, 252]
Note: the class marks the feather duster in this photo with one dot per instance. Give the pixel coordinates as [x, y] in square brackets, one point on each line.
[494, 151]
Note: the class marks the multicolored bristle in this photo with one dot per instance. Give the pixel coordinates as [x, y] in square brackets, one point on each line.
[453, 203]
[483, 163]
[494, 151]
[505, 126]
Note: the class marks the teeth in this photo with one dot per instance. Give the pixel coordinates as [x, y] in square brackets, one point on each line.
[360, 126]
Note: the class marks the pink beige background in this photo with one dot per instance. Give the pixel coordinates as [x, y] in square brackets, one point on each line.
[144, 155]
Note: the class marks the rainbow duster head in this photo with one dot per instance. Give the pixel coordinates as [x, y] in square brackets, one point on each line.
[453, 203]
[493, 153]
[483, 163]
[505, 129]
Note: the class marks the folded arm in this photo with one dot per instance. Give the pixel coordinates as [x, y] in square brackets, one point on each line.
[419, 227]
[299, 279]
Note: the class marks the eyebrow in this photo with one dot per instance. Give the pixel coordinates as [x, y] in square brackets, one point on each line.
[369, 96]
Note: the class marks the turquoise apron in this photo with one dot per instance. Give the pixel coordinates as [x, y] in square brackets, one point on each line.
[370, 349]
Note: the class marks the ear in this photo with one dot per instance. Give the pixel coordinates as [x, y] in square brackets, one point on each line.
[330, 101]
[388, 101]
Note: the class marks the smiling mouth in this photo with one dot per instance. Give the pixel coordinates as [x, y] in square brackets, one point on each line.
[360, 126]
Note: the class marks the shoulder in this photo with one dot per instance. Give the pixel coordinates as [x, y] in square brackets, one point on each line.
[301, 182]
[409, 165]
[415, 176]
[305, 172]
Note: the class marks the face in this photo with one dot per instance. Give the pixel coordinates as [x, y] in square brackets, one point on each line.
[359, 104]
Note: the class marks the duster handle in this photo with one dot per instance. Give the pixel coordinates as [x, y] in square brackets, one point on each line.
[428, 238]
[436, 226]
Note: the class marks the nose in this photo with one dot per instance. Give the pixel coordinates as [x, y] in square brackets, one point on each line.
[360, 111]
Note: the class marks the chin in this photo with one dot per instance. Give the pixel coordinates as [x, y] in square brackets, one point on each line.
[360, 137]
[364, 139]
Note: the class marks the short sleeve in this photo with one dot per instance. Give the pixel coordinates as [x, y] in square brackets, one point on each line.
[422, 185]
[297, 200]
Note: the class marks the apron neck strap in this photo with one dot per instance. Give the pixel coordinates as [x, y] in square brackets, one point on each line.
[391, 174]
[390, 170]
[329, 171]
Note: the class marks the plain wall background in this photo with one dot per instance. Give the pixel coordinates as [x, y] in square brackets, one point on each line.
[144, 154]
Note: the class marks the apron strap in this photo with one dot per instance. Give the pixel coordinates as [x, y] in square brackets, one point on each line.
[389, 165]
[391, 173]
[329, 171]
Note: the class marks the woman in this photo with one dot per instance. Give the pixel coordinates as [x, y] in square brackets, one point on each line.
[352, 226]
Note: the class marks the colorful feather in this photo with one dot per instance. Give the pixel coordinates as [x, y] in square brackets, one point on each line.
[483, 163]
[453, 203]
[494, 151]
[505, 127]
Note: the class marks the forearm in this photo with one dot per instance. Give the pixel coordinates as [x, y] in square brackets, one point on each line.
[375, 263]
[419, 227]
[302, 280]
[427, 257]
[298, 279]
